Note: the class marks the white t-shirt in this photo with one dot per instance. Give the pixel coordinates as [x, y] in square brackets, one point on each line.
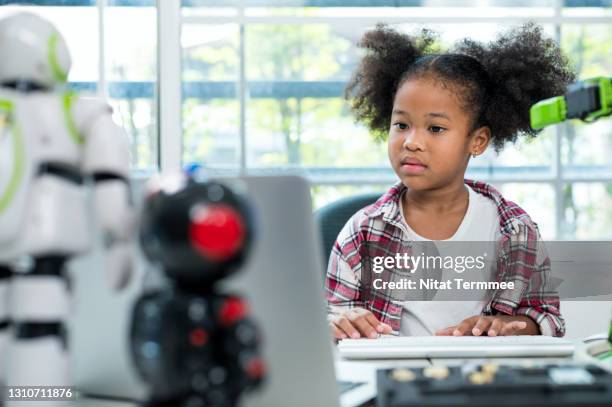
[480, 223]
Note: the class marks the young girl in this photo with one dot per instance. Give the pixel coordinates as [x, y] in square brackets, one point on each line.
[438, 110]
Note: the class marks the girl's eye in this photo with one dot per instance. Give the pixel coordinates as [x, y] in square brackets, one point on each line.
[436, 129]
[401, 126]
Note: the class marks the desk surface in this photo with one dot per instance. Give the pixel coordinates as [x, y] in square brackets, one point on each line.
[365, 370]
[361, 371]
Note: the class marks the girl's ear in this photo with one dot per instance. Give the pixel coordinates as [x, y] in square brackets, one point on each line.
[481, 137]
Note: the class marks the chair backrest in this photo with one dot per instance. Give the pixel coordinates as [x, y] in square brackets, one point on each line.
[332, 217]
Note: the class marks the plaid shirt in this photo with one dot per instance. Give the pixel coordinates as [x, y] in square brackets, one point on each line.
[522, 260]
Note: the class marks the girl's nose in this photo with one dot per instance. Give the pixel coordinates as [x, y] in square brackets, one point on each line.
[413, 141]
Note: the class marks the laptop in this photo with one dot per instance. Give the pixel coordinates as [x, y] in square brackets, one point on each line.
[282, 282]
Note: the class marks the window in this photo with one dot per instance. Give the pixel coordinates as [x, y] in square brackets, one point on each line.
[262, 92]
[285, 65]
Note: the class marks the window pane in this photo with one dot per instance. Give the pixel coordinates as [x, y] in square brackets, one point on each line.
[587, 8]
[587, 211]
[211, 110]
[296, 112]
[210, 52]
[137, 117]
[131, 71]
[305, 52]
[197, 8]
[210, 133]
[308, 132]
[586, 147]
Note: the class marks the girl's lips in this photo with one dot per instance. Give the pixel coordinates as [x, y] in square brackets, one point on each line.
[412, 168]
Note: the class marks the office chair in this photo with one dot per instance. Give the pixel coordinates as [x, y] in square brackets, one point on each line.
[332, 217]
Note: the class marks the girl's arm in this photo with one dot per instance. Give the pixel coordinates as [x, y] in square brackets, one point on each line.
[526, 262]
[347, 313]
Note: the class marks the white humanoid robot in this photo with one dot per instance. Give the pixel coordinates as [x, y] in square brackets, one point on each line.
[52, 145]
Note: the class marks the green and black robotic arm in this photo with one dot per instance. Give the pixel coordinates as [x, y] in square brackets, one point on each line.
[586, 100]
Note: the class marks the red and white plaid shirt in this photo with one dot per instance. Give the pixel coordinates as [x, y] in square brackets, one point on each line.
[522, 260]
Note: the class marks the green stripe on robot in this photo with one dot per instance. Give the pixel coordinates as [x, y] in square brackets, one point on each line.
[6, 106]
[72, 129]
[58, 73]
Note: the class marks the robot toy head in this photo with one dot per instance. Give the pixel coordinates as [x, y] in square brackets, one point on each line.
[200, 232]
[32, 51]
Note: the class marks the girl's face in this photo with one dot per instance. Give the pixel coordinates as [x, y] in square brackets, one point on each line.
[429, 140]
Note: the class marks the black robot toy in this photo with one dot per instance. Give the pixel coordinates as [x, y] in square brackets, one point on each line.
[193, 344]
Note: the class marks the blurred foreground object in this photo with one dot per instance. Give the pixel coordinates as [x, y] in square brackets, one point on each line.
[193, 343]
[53, 144]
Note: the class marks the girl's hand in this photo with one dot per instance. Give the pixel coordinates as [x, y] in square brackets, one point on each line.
[357, 323]
[493, 325]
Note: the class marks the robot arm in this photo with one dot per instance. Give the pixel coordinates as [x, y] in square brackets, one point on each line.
[587, 100]
[106, 159]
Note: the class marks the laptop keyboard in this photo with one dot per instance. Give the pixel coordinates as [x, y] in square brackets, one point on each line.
[535, 340]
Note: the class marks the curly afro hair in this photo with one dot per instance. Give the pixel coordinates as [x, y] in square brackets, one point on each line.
[496, 83]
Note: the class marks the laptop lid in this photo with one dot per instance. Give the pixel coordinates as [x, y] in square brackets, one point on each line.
[281, 280]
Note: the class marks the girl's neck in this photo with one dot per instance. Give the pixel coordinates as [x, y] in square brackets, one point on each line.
[447, 199]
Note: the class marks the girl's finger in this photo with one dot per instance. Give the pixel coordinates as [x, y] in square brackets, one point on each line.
[365, 327]
[496, 327]
[348, 328]
[464, 328]
[337, 332]
[378, 326]
[446, 331]
[481, 326]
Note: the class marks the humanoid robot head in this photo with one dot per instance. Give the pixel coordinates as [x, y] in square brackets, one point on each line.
[199, 232]
[33, 53]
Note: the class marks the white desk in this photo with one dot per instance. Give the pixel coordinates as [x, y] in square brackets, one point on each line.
[365, 370]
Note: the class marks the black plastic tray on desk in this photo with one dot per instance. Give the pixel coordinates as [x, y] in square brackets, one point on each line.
[512, 386]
